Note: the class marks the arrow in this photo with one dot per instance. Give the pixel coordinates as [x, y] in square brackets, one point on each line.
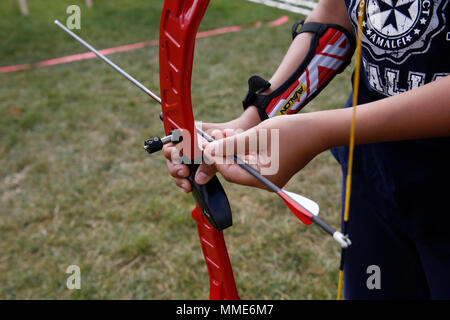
[306, 210]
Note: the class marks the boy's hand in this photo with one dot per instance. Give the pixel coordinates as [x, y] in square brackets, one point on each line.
[180, 172]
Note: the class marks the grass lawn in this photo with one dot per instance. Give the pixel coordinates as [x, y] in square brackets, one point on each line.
[77, 188]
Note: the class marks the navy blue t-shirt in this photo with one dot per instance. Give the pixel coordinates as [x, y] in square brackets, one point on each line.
[406, 44]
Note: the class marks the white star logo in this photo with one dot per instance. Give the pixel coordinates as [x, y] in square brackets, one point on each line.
[401, 27]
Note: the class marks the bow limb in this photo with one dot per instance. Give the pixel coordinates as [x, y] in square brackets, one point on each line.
[179, 24]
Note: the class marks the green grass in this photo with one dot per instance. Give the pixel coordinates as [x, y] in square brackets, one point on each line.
[77, 188]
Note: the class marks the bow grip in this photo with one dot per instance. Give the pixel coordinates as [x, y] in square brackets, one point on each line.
[212, 200]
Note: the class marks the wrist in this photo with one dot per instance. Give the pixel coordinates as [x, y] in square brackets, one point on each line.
[249, 118]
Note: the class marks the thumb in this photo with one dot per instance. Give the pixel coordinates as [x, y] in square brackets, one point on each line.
[205, 173]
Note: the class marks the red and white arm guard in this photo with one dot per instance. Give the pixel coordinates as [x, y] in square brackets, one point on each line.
[330, 51]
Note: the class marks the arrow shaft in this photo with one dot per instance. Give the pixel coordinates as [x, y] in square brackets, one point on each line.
[109, 62]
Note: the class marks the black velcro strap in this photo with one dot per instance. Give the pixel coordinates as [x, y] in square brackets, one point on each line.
[314, 27]
[295, 27]
[256, 85]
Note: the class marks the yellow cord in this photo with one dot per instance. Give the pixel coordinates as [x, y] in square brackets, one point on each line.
[352, 131]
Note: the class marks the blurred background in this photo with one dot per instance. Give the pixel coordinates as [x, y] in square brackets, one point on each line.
[76, 187]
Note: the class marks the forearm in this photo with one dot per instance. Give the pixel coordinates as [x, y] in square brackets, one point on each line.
[328, 12]
[420, 113]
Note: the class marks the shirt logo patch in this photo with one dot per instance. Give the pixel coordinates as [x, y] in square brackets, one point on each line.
[395, 29]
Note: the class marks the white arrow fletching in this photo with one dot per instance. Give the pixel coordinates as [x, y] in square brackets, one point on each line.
[306, 203]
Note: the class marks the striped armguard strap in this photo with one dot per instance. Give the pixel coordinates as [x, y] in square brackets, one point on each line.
[330, 51]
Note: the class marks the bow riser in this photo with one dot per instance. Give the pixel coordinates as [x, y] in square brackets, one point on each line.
[179, 24]
[178, 29]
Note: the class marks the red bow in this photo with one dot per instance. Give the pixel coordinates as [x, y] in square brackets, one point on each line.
[179, 24]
